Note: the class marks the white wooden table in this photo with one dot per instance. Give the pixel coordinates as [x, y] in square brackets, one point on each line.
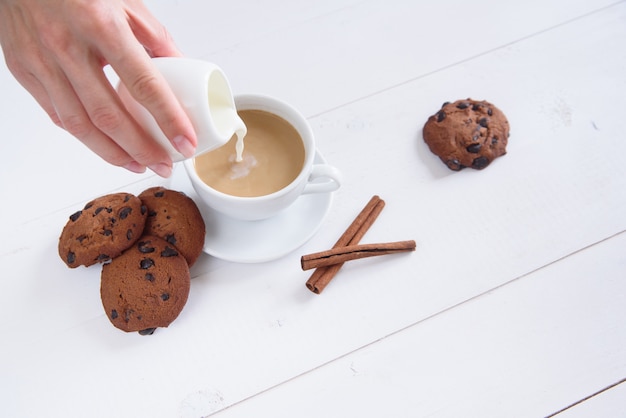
[513, 305]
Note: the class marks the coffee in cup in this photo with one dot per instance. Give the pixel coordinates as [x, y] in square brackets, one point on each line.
[280, 163]
[273, 157]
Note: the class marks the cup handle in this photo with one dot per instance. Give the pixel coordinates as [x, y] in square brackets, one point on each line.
[323, 171]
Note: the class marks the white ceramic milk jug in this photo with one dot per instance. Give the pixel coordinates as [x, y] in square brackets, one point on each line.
[204, 93]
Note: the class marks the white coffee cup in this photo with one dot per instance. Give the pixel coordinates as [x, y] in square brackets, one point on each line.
[313, 177]
[204, 93]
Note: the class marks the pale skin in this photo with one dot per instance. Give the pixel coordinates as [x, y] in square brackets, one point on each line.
[57, 50]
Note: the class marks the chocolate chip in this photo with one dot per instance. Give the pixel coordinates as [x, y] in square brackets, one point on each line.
[144, 209]
[476, 107]
[127, 314]
[125, 211]
[129, 235]
[146, 263]
[98, 210]
[445, 104]
[126, 198]
[102, 257]
[81, 238]
[152, 213]
[107, 232]
[494, 140]
[480, 163]
[462, 105]
[454, 165]
[159, 194]
[169, 252]
[74, 216]
[490, 112]
[144, 247]
[474, 148]
[88, 205]
[171, 238]
[147, 331]
[149, 277]
[441, 115]
[165, 296]
[483, 122]
[114, 314]
[71, 258]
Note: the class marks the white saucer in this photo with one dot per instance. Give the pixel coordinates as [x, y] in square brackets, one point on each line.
[258, 241]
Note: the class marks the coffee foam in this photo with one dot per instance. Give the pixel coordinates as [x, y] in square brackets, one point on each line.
[241, 168]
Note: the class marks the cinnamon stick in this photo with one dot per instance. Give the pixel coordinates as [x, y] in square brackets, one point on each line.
[354, 252]
[357, 229]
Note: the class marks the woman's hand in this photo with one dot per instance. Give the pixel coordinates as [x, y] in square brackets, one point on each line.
[57, 50]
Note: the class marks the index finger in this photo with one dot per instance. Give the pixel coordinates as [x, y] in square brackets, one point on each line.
[149, 88]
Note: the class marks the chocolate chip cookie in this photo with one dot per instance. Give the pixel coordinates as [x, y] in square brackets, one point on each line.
[174, 216]
[146, 287]
[104, 228]
[467, 133]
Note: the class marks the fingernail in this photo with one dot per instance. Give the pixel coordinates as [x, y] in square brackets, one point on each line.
[184, 146]
[135, 167]
[161, 169]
